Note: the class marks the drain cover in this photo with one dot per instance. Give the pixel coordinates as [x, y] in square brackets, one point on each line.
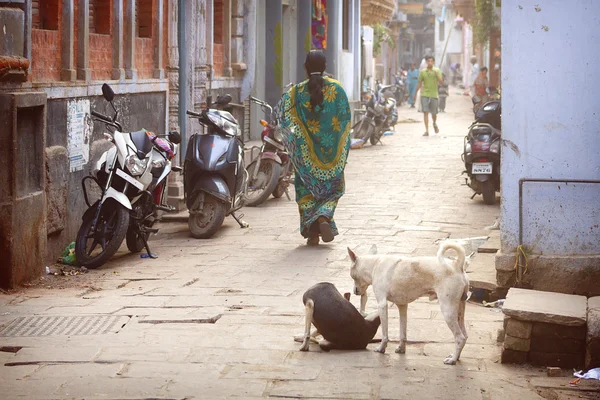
[72, 325]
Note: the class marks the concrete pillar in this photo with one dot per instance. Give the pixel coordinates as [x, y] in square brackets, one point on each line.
[274, 53]
[227, 71]
[68, 71]
[237, 36]
[118, 72]
[159, 72]
[83, 41]
[304, 36]
[130, 70]
[333, 36]
[28, 25]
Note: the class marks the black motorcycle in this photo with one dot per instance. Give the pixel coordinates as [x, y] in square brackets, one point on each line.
[214, 177]
[482, 151]
[381, 114]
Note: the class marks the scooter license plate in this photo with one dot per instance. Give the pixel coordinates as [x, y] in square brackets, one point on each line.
[482, 168]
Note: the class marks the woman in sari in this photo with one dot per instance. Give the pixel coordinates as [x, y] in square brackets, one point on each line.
[413, 79]
[315, 117]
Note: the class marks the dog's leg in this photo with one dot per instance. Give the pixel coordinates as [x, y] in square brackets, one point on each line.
[309, 308]
[450, 310]
[403, 309]
[383, 315]
[363, 304]
[461, 318]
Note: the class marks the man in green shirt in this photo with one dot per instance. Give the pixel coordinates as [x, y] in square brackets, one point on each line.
[429, 79]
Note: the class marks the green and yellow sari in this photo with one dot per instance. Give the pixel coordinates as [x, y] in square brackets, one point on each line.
[318, 142]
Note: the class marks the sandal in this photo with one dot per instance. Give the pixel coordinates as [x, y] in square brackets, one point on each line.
[436, 129]
[325, 228]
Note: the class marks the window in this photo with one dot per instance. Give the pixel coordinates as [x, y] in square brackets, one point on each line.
[346, 24]
[442, 30]
[44, 14]
[218, 21]
[144, 18]
[100, 17]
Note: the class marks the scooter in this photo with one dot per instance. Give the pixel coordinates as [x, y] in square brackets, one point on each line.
[214, 176]
[381, 115]
[481, 153]
[271, 171]
[131, 178]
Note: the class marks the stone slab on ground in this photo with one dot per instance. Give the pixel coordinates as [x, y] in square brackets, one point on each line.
[555, 308]
[492, 245]
[592, 354]
[482, 272]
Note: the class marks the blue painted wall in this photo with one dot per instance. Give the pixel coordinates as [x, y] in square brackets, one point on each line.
[551, 124]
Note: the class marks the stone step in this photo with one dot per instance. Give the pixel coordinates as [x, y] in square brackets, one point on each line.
[491, 246]
[538, 306]
[482, 272]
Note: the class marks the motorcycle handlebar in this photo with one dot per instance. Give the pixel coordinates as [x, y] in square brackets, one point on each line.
[101, 116]
[193, 114]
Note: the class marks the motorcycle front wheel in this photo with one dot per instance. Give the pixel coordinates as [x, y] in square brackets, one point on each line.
[260, 189]
[94, 248]
[376, 136]
[206, 223]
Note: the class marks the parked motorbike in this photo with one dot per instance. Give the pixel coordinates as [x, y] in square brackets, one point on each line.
[131, 177]
[482, 151]
[381, 115]
[271, 171]
[400, 88]
[214, 176]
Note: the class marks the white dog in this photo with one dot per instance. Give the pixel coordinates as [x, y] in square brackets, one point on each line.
[401, 280]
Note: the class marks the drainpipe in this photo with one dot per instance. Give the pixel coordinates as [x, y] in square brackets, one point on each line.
[183, 76]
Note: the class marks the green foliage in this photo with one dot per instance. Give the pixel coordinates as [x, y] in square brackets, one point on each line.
[484, 19]
[278, 43]
[381, 34]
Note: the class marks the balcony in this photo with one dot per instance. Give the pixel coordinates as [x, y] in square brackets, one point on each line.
[376, 11]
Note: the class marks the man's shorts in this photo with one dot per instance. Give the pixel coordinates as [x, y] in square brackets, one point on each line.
[429, 105]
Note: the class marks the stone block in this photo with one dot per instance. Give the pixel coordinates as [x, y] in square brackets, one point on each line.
[592, 355]
[513, 356]
[519, 329]
[553, 372]
[556, 308]
[12, 34]
[565, 346]
[57, 168]
[517, 344]
[556, 359]
[505, 279]
[505, 262]
[501, 335]
[542, 329]
[594, 303]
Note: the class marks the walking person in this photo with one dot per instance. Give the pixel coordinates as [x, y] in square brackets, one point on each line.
[443, 93]
[413, 79]
[429, 79]
[316, 122]
[480, 86]
[473, 74]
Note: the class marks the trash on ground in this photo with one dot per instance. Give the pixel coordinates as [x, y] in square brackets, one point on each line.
[62, 270]
[591, 374]
[357, 143]
[68, 255]
[146, 255]
[494, 304]
[388, 133]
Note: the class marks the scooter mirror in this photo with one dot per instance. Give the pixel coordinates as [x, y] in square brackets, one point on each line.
[107, 92]
[225, 99]
[174, 137]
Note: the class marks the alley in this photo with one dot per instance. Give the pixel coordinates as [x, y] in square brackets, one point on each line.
[156, 339]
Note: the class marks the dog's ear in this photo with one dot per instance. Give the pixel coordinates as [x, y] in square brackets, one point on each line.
[373, 249]
[352, 255]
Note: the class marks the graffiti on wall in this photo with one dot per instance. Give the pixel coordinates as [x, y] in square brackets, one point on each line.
[79, 132]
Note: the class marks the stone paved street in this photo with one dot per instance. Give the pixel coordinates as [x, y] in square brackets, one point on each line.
[402, 196]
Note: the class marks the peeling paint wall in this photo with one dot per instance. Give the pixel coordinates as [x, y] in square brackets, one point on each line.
[551, 120]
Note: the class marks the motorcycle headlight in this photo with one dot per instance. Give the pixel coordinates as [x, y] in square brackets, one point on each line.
[135, 166]
[495, 147]
[158, 163]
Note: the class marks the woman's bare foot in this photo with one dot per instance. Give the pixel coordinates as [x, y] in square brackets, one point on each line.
[325, 229]
[313, 240]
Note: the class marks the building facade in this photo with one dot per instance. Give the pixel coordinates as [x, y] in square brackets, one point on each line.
[54, 57]
[550, 212]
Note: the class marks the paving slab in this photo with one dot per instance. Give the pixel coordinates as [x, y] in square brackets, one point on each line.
[555, 308]
[482, 272]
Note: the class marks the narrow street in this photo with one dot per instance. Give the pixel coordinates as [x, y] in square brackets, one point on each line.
[156, 340]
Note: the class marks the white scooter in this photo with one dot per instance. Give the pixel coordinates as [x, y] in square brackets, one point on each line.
[131, 177]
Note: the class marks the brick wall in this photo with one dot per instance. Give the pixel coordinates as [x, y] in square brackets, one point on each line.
[45, 14]
[219, 14]
[46, 44]
[218, 59]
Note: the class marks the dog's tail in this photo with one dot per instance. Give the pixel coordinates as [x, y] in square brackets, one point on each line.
[459, 265]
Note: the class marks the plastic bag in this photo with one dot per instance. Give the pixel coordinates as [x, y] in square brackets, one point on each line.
[591, 374]
[68, 255]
